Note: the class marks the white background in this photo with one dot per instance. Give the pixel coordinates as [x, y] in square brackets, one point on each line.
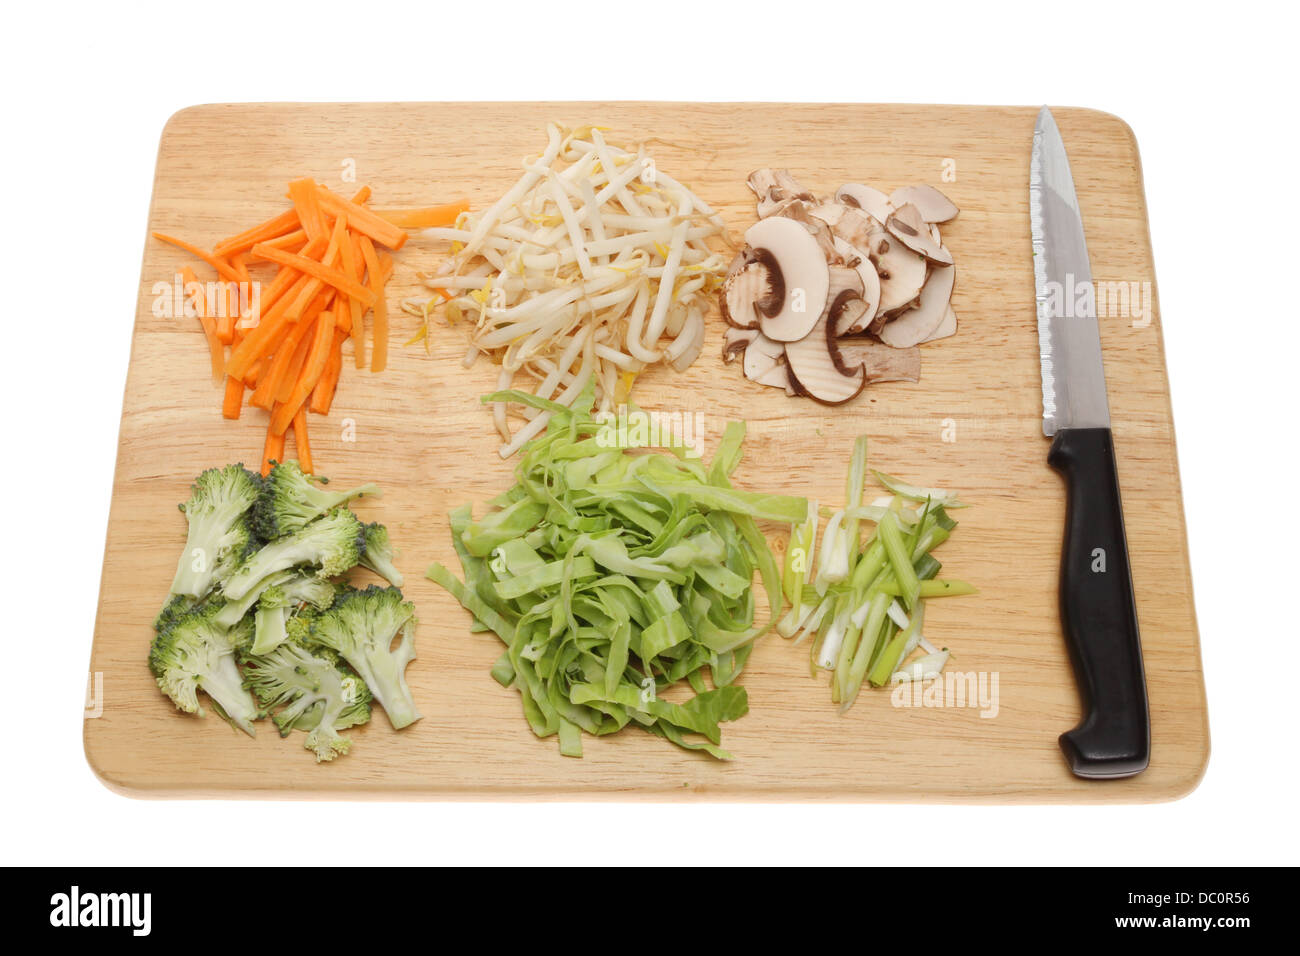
[1207, 88]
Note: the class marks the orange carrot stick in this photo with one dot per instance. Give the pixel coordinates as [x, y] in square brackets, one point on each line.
[316, 270]
[331, 259]
[273, 228]
[379, 335]
[304, 194]
[322, 395]
[312, 370]
[234, 398]
[293, 371]
[225, 270]
[441, 215]
[352, 265]
[301, 442]
[362, 220]
[272, 451]
[269, 384]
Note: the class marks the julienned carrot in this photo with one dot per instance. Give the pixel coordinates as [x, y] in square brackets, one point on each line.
[316, 270]
[379, 331]
[286, 277]
[351, 255]
[306, 203]
[322, 395]
[218, 264]
[273, 450]
[312, 370]
[289, 350]
[426, 217]
[259, 339]
[292, 371]
[301, 442]
[269, 384]
[233, 402]
[197, 297]
[362, 220]
[288, 241]
[273, 228]
[331, 259]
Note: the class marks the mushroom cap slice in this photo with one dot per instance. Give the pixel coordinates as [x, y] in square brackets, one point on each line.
[902, 271]
[799, 276]
[917, 324]
[747, 294]
[818, 370]
[778, 376]
[760, 355]
[933, 205]
[909, 228]
[774, 188]
[829, 212]
[855, 259]
[800, 211]
[882, 362]
[735, 341]
[946, 328]
[870, 200]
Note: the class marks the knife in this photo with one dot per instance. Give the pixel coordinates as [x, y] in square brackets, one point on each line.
[1098, 611]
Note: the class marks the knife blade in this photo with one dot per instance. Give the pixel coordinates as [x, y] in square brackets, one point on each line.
[1098, 608]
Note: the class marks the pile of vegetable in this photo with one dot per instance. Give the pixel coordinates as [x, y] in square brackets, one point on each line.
[286, 339]
[863, 601]
[593, 267]
[614, 579]
[258, 621]
[830, 295]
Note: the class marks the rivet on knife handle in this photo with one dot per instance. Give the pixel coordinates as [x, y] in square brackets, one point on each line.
[1098, 612]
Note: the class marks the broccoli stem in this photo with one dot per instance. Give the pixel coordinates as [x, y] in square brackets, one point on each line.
[225, 685]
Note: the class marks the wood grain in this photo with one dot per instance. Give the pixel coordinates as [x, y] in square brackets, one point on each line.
[422, 434]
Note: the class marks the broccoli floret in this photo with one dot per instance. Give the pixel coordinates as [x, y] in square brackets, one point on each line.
[219, 531]
[289, 501]
[361, 627]
[232, 612]
[195, 653]
[314, 691]
[177, 607]
[378, 556]
[333, 543]
[277, 604]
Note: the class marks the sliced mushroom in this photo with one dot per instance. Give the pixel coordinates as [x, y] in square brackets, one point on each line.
[870, 302]
[933, 205]
[829, 212]
[934, 233]
[946, 328]
[910, 229]
[902, 271]
[856, 228]
[817, 368]
[774, 188]
[798, 273]
[761, 355]
[735, 341]
[778, 376]
[872, 201]
[801, 212]
[917, 324]
[747, 294]
[883, 363]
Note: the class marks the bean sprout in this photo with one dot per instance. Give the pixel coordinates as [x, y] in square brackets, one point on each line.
[593, 266]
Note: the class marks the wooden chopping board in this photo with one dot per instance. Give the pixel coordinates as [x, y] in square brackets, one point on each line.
[972, 423]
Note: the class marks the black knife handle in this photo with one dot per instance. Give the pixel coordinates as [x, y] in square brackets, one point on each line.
[1099, 613]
